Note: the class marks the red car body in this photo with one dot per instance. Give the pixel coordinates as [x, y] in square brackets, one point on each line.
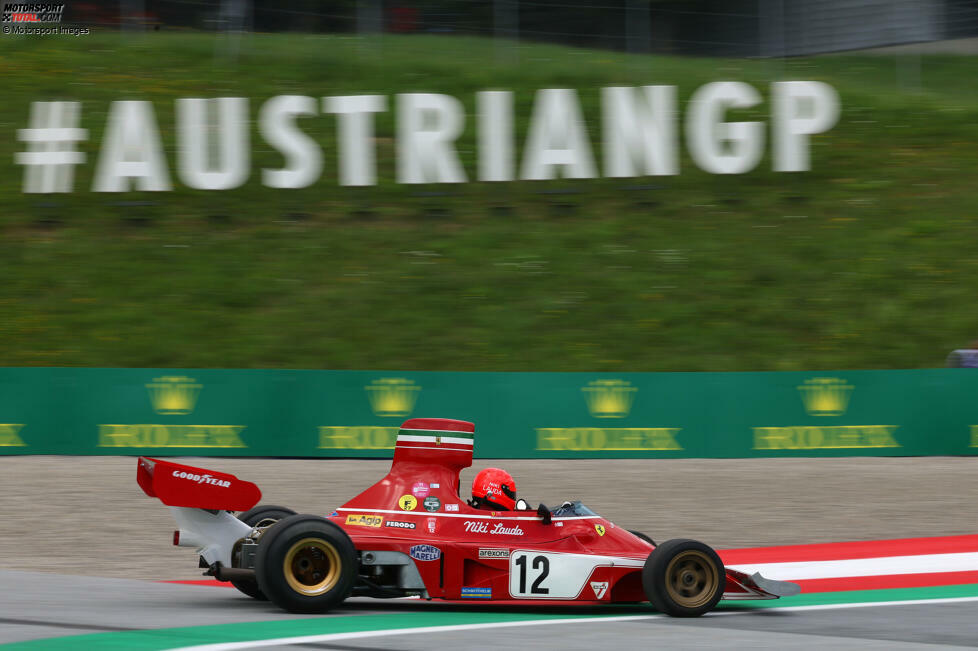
[568, 555]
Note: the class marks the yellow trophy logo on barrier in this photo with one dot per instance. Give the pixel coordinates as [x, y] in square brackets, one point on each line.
[392, 396]
[826, 396]
[173, 395]
[609, 398]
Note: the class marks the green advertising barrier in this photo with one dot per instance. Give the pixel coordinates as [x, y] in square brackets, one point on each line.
[170, 412]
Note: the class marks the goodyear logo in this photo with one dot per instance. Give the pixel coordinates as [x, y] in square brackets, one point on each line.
[609, 398]
[364, 520]
[173, 395]
[825, 396]
[394, 397]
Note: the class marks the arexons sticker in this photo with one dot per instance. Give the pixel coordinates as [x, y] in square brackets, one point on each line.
[425, 553]
[493, 553]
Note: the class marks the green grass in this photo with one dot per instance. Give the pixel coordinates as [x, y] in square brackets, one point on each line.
[867, 261]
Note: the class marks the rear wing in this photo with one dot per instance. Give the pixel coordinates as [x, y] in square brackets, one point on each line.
[186, 486]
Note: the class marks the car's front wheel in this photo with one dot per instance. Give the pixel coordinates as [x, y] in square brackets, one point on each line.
[305, 564]
[683, 578]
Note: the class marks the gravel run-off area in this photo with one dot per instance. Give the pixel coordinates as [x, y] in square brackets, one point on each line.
[86, 515]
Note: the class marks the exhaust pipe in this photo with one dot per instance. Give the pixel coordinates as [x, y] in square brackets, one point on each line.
[222, 573]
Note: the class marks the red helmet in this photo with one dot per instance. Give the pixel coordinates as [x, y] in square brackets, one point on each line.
[495, 486]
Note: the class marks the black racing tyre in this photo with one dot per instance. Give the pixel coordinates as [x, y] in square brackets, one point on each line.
[683, 578]
[306, 564]
[639, 534]
[264, 515]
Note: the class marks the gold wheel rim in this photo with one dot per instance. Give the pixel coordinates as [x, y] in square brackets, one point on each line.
[312, 566]
[691, 579]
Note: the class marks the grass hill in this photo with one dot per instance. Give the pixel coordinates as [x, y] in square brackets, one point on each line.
[866, 261]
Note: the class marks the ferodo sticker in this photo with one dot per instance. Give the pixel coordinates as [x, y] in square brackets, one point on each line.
[364, 520]
[425, 553]
[394, 524]
[408, 502]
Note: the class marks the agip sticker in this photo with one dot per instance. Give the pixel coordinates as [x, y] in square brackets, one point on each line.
[364, 520]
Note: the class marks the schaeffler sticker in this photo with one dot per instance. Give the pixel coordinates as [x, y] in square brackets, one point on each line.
[364, 520]
[400, 525]
[493, 553]
[497, 528]
[425, 553]
[420, 489]
[599, 587]
[201, 479]
[476, 593]
[432, 504]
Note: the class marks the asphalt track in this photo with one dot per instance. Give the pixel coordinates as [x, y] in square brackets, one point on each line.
[49, 611]
[70, 523]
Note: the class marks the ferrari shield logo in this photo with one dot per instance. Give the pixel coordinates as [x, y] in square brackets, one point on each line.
[600, 529]
[599, 587]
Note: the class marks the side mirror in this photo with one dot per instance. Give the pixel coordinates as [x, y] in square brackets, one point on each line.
[544, 514]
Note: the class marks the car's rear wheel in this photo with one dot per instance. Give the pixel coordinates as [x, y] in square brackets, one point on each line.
[260, 516]
[683, 578]
[306, 564]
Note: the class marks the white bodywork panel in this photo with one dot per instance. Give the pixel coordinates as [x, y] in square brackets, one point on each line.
[548, 575]
[214, 534]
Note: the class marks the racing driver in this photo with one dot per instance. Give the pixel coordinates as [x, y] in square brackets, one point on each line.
[493, 489]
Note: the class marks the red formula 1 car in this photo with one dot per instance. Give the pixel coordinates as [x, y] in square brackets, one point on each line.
[412, 534]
